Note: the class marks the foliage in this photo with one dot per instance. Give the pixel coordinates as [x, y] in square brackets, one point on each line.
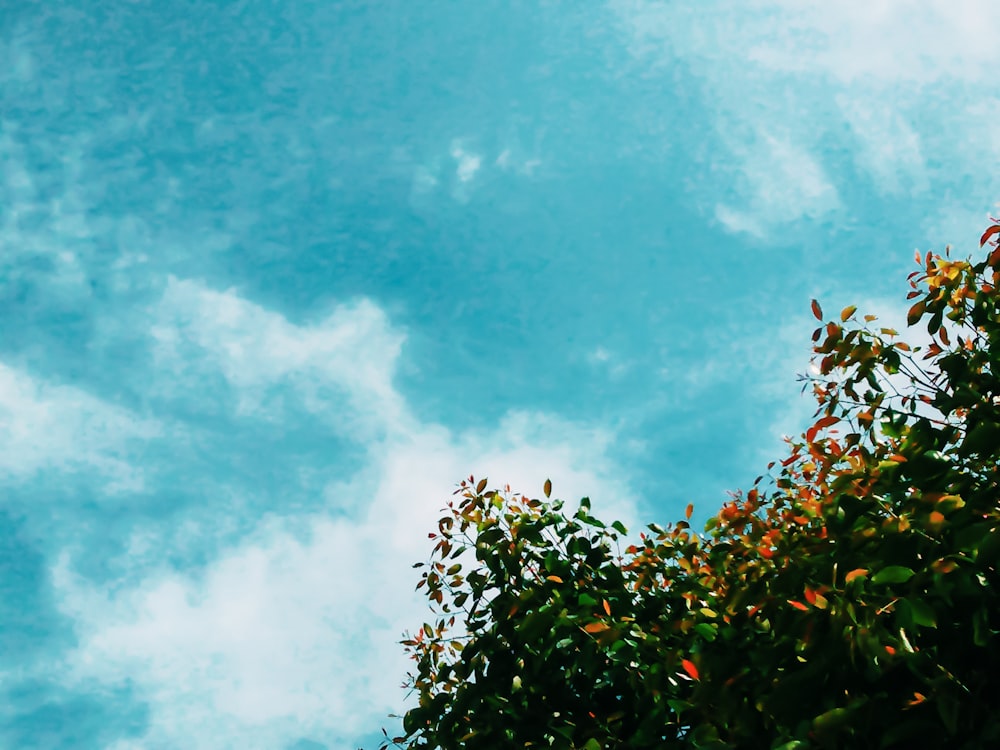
[849, 601]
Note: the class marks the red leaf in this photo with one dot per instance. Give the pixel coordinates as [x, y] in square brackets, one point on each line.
[817, 310]
[798, 605]
[826, 421]
[690, 668]
[810, 595]
[989, 233]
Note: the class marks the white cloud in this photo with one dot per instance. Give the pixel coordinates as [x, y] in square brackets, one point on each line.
[867, 41]
[293, 631]
[890, 148]
[56, 231]
[905, 77]
[888, 40]
[45, 426]
[467, 163]
[782, 183]
[352, 352]
[612, 364]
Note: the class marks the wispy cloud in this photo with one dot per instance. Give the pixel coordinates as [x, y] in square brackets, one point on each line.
[782, 183]
[892, 74]
[351, 353]
[46, 426]
[291, 632]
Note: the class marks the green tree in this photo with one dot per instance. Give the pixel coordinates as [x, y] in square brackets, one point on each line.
[850, 600]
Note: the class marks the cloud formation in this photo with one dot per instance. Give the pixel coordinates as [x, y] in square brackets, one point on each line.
[784, 81]
[45, 426]
[291, 632]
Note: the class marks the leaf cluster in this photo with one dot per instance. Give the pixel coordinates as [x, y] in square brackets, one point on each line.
[848, 601]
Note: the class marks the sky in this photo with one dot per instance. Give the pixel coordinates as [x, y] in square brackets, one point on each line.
[275, 276]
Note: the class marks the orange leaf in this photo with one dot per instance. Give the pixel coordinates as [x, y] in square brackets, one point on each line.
[689, 510]
[817, 310]
[554, 579]
[607, 607]
[989, 233]
[595, 627]
[890, 650]
[810, 595]
[847, 312]
[826, 421]
[798, 605]
[856, 573]
[690, 668]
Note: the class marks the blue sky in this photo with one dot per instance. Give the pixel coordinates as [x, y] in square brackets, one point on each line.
[275, 276]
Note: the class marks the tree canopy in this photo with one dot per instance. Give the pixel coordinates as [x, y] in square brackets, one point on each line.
[848, 599]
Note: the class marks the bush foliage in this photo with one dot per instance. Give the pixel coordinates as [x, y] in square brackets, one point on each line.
[848, 601]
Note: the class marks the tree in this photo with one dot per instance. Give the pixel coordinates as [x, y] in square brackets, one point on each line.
[850, 600]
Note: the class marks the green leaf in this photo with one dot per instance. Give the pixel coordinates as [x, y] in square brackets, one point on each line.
[706, 631]
[893, 574]
[832, 719]
[591, 744]
[922, 613]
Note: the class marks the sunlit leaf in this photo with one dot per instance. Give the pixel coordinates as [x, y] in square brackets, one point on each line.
[855, 574]
[988, 233]
[816, 309]
[689, 667]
